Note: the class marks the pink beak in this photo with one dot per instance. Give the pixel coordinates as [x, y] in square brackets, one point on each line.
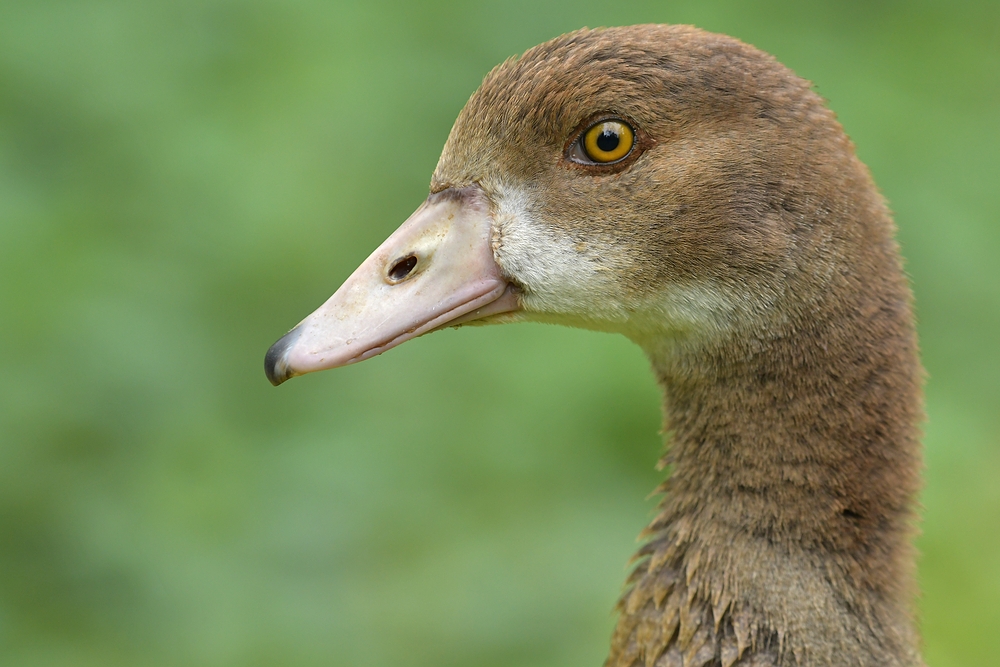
[436, 270]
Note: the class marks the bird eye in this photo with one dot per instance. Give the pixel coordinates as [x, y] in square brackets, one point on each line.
[607, 141]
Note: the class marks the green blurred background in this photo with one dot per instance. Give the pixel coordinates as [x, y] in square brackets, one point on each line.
[182, 181]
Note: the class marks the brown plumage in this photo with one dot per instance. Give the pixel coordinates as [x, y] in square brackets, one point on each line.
[743, 245]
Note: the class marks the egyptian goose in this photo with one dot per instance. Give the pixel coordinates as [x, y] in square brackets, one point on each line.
[690, 192]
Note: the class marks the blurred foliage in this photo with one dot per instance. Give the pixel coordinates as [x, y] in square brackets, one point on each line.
[182, 181]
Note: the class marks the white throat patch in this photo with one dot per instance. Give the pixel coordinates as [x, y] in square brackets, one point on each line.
[576, 281]
[564, 280]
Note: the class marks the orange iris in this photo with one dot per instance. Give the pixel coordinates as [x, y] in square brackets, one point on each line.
[608, 141]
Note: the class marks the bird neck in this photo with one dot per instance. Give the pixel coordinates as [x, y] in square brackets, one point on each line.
[787, 515]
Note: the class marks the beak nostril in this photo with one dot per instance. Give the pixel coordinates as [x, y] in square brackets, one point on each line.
[402, 268]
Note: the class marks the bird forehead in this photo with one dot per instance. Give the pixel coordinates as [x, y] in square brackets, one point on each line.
[524, 114]
[589, 68]
[548, 93]
[659, 77]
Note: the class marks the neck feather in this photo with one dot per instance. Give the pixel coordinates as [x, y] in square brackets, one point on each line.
[784, 534]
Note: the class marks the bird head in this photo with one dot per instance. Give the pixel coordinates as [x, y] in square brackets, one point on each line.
[656, 181]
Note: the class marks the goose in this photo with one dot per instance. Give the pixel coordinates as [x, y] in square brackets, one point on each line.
[688, 191]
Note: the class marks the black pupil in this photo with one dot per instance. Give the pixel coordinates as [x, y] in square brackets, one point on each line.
[608, 141]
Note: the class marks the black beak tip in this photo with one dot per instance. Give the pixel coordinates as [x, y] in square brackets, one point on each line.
[275, 363]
